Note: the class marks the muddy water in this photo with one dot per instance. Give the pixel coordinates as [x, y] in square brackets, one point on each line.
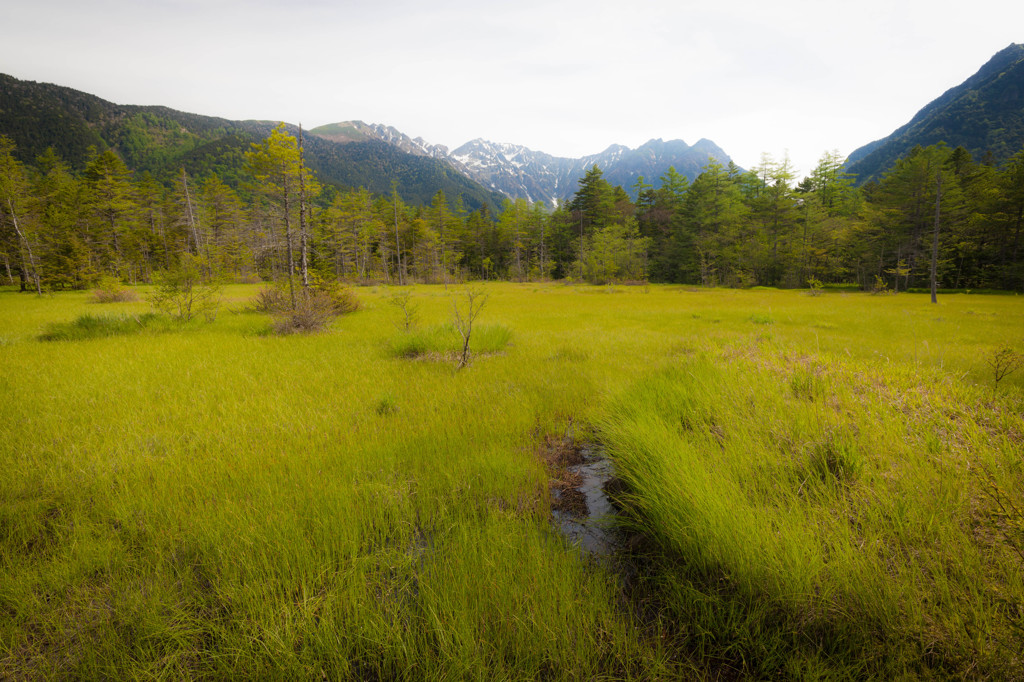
[591, 529]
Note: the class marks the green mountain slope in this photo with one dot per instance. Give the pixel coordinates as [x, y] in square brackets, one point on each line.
[161, 141]
[984, 114]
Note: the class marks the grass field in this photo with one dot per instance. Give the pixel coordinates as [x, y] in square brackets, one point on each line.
[815, 486]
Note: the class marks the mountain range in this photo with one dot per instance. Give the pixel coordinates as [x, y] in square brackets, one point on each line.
[984, 114]
[519, 172]
[160, 141]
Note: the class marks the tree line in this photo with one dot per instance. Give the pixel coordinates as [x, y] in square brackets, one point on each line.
[936, 216]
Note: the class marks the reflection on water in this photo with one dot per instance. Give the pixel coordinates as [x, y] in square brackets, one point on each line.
[592, 530]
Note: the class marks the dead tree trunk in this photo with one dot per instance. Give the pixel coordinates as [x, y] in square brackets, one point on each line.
[28, 248]
[303, 233]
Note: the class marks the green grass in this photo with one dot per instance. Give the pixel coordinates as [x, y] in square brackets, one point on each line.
[99, 326]
[445, 341]
[216, 501]
[853, 516]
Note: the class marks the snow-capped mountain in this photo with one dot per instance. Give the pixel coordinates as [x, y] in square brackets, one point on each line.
[357, 131]
[519, 172]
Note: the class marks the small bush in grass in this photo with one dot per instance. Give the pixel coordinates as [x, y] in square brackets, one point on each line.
[879, 287]
[343, 300]
[1003, 363]
[490, 338]
[271, 300]
[110, 290]
[313, 312]
[420, 342]
[98, 326]
[276, 300]
[410, 309]
[185, 291]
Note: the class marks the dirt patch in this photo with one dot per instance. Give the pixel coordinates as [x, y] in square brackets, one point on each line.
[558, 455]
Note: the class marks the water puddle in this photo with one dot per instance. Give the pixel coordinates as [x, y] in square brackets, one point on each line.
[581, 509]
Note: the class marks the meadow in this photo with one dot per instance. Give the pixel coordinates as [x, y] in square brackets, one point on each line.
[811, 487]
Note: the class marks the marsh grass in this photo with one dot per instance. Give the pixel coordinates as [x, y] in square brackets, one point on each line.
[222, 503]
[99, 326]
[444, 341]
[841, 517]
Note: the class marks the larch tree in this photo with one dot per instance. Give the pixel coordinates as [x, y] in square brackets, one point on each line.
[276, 166]
[111, 204]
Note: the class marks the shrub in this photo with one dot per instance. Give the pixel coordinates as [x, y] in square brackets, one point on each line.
[343, 300]
[183, 292]
[276, 300]
[313, 312]
[270, 300]
[110, 290]
[410, 310]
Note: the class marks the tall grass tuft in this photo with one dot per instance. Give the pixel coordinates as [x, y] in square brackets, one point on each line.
[444, 341]
[99, 326]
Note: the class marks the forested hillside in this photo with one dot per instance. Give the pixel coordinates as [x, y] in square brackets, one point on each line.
[984, 114]
[161, 141]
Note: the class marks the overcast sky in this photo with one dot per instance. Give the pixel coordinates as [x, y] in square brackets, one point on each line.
[796, 77]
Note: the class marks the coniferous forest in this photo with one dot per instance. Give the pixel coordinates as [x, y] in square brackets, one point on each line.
[762, 227]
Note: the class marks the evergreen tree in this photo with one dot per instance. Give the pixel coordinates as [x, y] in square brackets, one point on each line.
[110, 205]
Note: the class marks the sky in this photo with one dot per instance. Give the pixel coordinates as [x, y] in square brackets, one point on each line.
[787, 78]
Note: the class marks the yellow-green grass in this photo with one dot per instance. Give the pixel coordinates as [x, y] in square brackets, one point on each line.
[221, 501]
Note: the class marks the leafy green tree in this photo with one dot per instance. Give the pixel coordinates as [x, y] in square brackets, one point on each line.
[616, 252]
[185, 290]
[539, 228]
[665, 227]
[447, 237]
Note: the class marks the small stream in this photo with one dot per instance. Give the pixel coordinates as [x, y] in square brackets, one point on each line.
[591, 530]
